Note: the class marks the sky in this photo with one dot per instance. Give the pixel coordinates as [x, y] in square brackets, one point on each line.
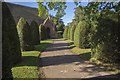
[69, 10]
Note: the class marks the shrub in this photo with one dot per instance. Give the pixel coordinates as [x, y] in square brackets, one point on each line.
[35, 33]
[43, 33]
[25, 36]
[68, 33]
[11, 53]
[59, 34]
[77, 35]
[105, 41]
[72, 32]
[47, 30]
[65, 34]
[82, 35]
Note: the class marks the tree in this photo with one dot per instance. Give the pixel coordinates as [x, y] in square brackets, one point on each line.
[60, 25]
[43, 8]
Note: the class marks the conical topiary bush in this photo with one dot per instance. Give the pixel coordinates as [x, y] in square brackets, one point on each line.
[72, 32]
[77, 35]
[25, 36]
[11, 53]
[43, 33]
[35, 33]
[82, 35]
[68, 33]
[65, 33]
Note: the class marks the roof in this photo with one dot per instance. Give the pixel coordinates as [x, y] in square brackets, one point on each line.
[28, 13]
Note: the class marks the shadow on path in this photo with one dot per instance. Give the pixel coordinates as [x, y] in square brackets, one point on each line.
[59, 60]
[58, 57]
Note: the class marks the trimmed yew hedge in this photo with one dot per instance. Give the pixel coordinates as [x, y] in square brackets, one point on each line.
[25, 35]
[72, 32]
[65, 34]
[68, 33]
[77, 35]
[11, 53]
[43, 33]
[105, 41]
[82, 35]
[35, 33]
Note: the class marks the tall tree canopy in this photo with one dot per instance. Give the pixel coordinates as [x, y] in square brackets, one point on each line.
[44, 7]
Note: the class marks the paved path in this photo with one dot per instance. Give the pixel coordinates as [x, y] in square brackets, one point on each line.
[59, 62]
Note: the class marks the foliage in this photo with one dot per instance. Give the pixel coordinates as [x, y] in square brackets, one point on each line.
[104, 37]
[65, 34]
[25, 36]
[60, 25]
[42, 11]
[68, 34]
[72, 32]
[85, 34]
[35, 33]
[43, 32]
[59, 34]
[77, 35]
[11, 53]
[82, 35]
[57, 6]
[105, 46]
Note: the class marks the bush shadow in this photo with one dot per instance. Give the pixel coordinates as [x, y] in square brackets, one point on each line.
[42, 47]
[85, 56]
[28, 61]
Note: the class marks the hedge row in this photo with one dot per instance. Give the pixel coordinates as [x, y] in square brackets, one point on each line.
[105, 40]
[80, 34]
[102, 36]
[16, 38]
[11, 53]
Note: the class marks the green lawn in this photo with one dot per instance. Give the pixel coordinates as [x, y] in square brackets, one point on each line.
[28, 67]
[83, 53]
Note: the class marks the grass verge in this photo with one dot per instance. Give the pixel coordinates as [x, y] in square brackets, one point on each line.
[83, 53]
[28, 67]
